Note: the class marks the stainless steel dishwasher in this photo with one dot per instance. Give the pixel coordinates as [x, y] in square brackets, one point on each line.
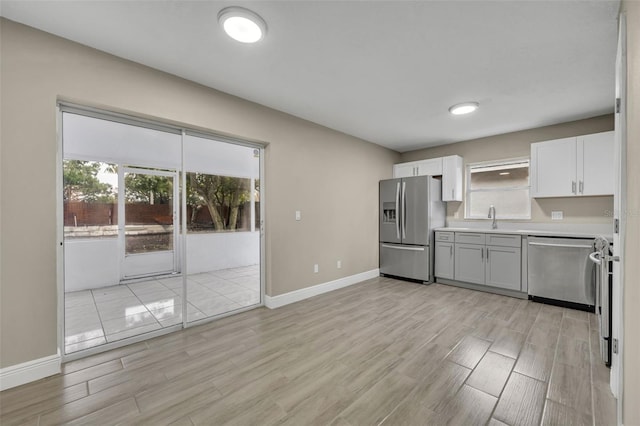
[560, 272]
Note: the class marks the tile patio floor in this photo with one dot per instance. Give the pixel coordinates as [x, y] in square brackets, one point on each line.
[107, 314]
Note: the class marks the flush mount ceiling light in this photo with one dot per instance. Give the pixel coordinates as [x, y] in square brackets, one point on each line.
[242, 24]
[464, 108]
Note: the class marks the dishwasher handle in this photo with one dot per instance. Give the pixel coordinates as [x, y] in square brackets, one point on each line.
[531, 243]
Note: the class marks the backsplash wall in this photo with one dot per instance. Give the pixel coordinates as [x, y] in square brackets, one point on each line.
[518, 144]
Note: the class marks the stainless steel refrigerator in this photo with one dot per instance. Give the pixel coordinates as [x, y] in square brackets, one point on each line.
[410, 209]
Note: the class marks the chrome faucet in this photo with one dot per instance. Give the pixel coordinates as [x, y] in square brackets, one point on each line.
[492, 215]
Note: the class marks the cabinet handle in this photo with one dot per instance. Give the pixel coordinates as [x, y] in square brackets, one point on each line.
[573, 186]
[451, 250]
[581, 187]
[487, 254]
[482, 253]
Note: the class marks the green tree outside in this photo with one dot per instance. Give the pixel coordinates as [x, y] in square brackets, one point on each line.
[80, 182]
[148, 189]
[219, 193]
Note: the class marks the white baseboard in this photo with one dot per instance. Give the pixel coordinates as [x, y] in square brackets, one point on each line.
[273, 302]
[29, 371]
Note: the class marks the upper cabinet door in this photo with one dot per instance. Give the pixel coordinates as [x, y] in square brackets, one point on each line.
[404, 170]
[553, 168]
[595, 164]
[431, 167]
[452, 178]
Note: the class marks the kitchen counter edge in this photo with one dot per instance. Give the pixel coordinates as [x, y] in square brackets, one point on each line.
[526, 232]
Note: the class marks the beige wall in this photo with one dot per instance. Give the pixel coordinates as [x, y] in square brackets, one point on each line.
[631, 354]
[517, 144]
[331, 177]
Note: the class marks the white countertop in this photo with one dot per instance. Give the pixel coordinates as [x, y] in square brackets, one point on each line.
[528, 232]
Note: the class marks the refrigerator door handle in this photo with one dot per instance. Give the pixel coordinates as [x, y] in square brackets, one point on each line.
[398, 210]
[404, 210]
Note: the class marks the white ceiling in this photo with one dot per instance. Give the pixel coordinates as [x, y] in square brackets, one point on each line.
[384, 71]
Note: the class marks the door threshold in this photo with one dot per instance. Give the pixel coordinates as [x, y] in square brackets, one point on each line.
[148, 277]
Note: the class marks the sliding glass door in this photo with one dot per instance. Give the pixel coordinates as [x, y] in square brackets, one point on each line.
[162, 228]
[223, 226]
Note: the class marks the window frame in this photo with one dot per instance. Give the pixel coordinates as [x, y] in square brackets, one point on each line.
[494, 163]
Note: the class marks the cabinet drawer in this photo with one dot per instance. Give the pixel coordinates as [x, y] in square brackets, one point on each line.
[470, 238]
[503, 240]
[444, 236]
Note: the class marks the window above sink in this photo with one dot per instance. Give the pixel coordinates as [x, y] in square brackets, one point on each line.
[503, 184]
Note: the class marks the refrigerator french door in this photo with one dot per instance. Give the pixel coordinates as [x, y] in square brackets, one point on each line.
[410, 209]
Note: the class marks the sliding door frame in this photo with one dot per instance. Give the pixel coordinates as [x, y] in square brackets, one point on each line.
[156, 124]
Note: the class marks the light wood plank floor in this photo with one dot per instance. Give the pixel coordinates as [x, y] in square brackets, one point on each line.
[380, 352]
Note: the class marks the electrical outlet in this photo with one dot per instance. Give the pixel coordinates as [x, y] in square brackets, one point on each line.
[315, 268]
[298, 215]
[557, 215]
[339, 264]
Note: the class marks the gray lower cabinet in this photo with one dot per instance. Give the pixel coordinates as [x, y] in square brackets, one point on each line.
[503, 267]
[486, 259]
[469, 263]
[444, 260]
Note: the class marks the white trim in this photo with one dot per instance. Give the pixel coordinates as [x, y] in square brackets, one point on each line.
[617, 378]
[30, 371]
[59, 232]
[273, 302]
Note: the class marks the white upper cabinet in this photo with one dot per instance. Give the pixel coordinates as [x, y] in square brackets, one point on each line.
[404, 170]
[430, 167]
[450, 168]
[596, 167]
[574, 166]
[452, 178]
[553, 168]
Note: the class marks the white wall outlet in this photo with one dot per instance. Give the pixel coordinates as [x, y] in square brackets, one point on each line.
[315, 268]
[557, 215]
[298, 215]
[339, 264]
